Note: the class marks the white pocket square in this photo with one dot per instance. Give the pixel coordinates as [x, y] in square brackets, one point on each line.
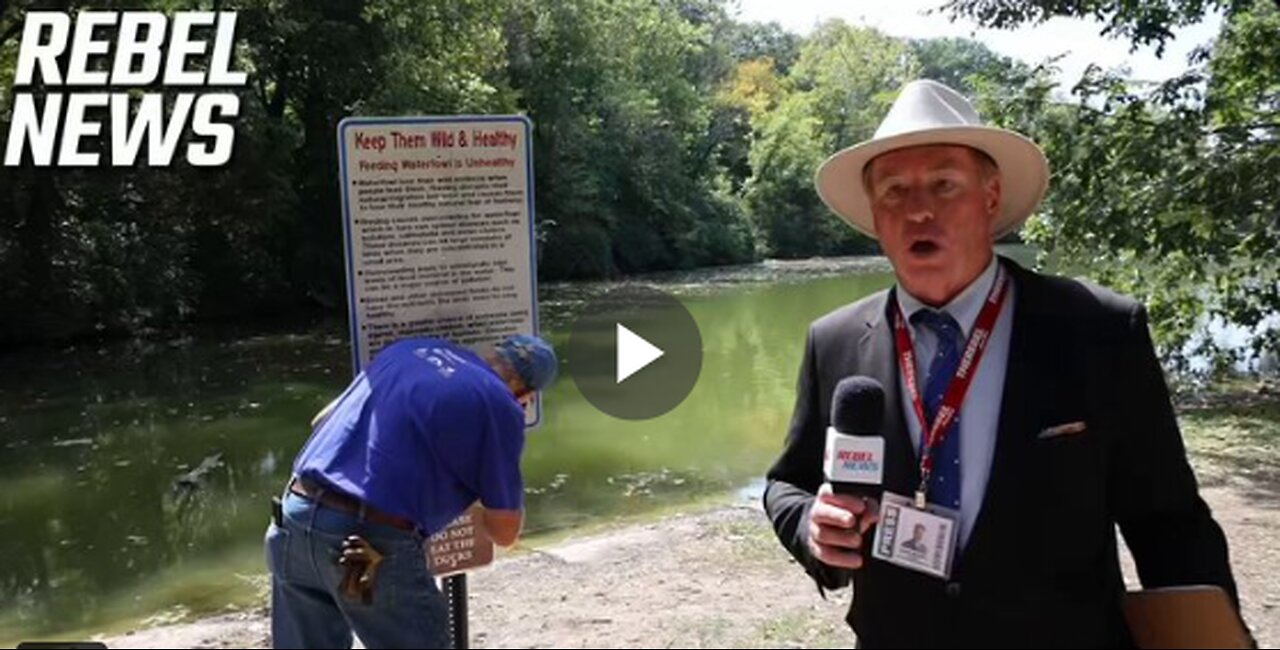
[1068, 429]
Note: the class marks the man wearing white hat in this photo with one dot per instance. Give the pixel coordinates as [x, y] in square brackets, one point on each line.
[1025, 416]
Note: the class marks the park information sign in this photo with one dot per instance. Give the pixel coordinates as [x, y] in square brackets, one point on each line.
[438, 224]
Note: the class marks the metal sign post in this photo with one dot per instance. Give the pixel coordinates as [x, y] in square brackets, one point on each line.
[455, 589]
[438, 223]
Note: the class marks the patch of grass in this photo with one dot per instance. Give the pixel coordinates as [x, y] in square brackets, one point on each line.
[753, 540]
[801, 630]
[540, 539]
[1235, 437]
[710, 633]
[812, 628]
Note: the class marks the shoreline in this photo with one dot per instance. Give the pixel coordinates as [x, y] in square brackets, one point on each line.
[580, 591]
[239, 606]
[690, 579]
[331, 319]
[1233, 440]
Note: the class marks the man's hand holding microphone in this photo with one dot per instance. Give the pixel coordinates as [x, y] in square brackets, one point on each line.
[845, 508]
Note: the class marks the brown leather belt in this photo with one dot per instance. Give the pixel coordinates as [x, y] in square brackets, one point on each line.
[331, 498]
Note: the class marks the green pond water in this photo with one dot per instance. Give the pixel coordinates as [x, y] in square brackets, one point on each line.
[135, 476]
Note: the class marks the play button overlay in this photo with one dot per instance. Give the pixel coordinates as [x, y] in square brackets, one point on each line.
[634, 353]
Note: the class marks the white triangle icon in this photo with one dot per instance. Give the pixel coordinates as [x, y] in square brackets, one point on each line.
[634, 353]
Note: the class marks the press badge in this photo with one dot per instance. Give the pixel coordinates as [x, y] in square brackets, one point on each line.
[916, 539]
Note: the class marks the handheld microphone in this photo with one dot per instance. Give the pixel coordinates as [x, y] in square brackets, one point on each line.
[853, 461]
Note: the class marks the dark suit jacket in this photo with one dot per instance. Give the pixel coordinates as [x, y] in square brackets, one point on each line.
[1041, 565]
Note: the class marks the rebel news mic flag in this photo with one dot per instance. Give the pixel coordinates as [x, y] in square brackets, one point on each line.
[853, 462]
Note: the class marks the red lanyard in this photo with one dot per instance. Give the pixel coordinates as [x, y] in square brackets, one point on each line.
[959, 384]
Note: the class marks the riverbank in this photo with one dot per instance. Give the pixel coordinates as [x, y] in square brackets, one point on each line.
[695, 579]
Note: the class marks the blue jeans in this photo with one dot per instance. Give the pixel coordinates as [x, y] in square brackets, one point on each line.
[308, 609]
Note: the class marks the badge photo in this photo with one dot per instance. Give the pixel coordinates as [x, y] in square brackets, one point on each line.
[920, 540]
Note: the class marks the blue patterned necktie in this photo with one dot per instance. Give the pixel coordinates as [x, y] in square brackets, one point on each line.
[944, 483]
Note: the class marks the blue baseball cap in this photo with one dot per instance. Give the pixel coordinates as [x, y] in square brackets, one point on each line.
[533, 359]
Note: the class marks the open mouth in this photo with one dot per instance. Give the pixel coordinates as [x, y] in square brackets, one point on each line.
[924, 247]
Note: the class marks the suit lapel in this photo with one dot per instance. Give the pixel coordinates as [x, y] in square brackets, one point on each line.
[1024, 381]
[878, 359]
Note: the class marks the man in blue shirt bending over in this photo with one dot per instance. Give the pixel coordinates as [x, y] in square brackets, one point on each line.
[428, 428]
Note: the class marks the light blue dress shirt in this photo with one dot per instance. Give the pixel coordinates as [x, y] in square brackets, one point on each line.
[980, 412]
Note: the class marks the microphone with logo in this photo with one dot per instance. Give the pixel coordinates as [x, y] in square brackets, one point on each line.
[853, 462]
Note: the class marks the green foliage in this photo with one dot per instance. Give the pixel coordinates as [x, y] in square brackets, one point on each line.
[120, 251]
[751, 41]
[841, 86]
[1143, 22]
[852, 75]
[780, 194]
[666, 135]
[966, 65]
[1171, 193]
[628, 134]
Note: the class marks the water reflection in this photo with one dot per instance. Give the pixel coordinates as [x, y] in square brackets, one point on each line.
[122, 461]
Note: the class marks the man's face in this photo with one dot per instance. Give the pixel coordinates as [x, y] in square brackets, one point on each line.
[522, 393]
[933, 211]
[918, 534]
[525, 396]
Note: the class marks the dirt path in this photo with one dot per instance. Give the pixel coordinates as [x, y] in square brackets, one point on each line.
[711, 579]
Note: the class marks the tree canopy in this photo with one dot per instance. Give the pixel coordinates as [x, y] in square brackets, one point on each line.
[667, 134]
[1169, 191]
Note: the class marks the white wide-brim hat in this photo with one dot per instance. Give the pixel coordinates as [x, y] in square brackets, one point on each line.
[926, 113]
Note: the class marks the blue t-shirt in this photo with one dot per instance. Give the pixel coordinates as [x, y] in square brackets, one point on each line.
[423, 432]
